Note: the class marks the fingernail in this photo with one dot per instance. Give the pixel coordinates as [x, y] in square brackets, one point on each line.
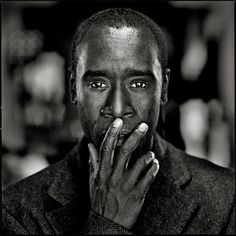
[151, 156]
[157, 166]
[143, 127]
[89, 146]
[117, 123]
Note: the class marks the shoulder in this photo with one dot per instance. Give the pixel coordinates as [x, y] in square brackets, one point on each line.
[30, 188]
[21, 200]
[201, 170]
[206, 180]
[209, 174]
[26, 203]
[209, 184]
[31, 191]
[213, 189]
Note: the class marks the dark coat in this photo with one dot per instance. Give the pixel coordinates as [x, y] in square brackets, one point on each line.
[190, 195]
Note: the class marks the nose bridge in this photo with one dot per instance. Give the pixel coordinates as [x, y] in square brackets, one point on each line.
[118, 100]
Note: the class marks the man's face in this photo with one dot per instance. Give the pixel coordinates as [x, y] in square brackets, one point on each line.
[118, 75]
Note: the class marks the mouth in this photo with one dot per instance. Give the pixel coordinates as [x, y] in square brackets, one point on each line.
[123, 135]
[120, 141]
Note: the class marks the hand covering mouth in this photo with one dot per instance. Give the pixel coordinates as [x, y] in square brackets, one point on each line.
[123, 135]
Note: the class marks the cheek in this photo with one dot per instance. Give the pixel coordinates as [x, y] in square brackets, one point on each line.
[148, 110]
[147, 106]
[89, 102]
[89, 107]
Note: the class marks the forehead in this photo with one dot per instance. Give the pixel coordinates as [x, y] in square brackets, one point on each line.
[126, 46]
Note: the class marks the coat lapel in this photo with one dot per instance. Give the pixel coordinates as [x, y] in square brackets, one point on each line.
[69, 218]
[70, 190]
[167, 207]
[166, 210]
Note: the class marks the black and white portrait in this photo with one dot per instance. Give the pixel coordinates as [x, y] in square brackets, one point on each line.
[118, 117]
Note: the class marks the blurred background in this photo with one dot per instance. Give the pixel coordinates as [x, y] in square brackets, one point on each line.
[40, 124]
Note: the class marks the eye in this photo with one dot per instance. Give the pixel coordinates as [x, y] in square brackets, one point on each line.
[97, 84]
[139, 85]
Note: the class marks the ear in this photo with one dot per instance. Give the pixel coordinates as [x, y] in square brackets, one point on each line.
[72, 86]
[165, 84]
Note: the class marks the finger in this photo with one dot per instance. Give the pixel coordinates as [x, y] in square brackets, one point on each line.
[108, 145]
[93, 160]
[147, 180]
[138, 168]
[129, 146]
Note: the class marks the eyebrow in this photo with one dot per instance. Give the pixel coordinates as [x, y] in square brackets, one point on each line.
[90, 73]
[129, 72]
[134, 72]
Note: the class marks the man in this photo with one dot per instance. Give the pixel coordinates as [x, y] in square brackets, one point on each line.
[123, 177]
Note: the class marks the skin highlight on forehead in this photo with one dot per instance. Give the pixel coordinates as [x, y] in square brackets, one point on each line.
[124, 32]
[121, 43]
[126, 36]
[121, 38]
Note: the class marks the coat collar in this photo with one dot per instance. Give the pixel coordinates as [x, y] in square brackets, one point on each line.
[67, 183]
[167, 207]
[69, 190]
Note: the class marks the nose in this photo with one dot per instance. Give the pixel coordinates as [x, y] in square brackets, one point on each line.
[118, 104]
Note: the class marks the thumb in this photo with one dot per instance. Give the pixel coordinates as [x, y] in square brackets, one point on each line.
[93, 160]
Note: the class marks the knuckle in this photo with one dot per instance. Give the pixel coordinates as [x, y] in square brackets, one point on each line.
[105, 148]
[124, 150]
[135, 138]
[103, 182]
[113, 132]
[136, 196]
[100, 178]
[140, 162]
[125, 188]
[137, 134]
[150, 175]
[113, 183]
